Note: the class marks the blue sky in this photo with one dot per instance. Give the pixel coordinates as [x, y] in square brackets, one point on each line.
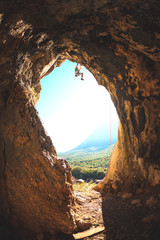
[70, 108]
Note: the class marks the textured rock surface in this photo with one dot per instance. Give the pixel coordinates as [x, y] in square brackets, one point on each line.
[119, 42]
[36, 186]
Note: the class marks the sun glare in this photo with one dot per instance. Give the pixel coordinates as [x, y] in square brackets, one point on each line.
[86, 107]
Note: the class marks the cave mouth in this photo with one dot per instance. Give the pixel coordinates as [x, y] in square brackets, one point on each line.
[92, 160]
[81, 120]
[118, 41]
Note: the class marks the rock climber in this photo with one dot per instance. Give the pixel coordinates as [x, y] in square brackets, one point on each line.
[77, 72]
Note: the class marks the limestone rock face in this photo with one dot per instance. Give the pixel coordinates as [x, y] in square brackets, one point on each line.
[119, 42]
[36, 186]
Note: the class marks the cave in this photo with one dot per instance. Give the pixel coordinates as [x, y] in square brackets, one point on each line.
[119, 43]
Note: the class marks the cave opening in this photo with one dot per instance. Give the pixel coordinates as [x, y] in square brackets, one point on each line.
[89, 105]
[81, 120]
[118, 41]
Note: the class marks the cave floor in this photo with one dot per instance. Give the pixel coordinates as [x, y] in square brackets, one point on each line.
[90, 210]
[132, 217]
[125, 216]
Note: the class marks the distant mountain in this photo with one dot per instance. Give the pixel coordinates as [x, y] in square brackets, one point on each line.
[89, 157]
[100, 138]
[94, 152]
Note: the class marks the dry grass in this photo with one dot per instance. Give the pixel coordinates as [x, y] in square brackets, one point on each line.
[83, 187]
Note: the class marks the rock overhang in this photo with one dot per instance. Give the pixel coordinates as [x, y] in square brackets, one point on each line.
[119, 43]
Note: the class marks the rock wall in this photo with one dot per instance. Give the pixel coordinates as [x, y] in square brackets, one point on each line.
[118, 41]
[36, 186]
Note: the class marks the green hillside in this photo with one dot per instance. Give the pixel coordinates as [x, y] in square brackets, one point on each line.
[88, 163]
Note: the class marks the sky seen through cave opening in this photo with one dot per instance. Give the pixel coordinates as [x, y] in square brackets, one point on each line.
[71, 109]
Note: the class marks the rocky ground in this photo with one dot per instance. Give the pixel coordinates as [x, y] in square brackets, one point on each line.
[135, 217]
[90, 209]
[125, 216]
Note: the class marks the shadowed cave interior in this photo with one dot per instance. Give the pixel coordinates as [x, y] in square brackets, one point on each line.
[118, 42]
